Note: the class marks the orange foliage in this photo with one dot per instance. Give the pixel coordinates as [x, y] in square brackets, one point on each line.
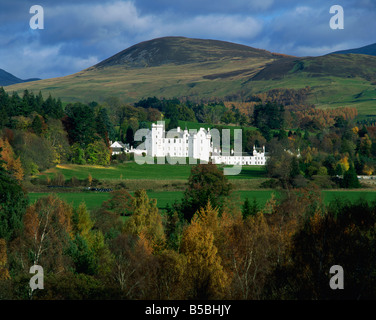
[12, 163]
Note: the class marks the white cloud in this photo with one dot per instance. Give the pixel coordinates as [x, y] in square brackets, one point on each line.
[213, 26]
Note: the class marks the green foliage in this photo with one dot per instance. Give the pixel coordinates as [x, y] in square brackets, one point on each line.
[206, 183]
[13, 202]
[350, 179]
[98, 153]
[82, 256]
[268, 117]
[72, 286]
[250, 209]
[80, 123]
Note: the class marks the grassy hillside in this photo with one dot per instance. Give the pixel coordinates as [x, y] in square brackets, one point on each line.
[177, 67]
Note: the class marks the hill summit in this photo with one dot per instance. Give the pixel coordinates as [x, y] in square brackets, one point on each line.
[181, 50]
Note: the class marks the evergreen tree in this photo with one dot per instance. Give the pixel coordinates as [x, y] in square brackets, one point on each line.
[350, 179]
[206, 183]
[174, 122]
[129, 136]
[13, 202]
[250, 209]
[37, 125]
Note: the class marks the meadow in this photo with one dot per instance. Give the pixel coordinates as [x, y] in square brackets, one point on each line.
[94, 199]
[132, 170]
[335, 80]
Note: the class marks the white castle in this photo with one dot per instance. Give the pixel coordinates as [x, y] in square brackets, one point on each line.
[194, 144]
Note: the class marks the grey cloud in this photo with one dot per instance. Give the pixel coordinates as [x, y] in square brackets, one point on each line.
[79, 33]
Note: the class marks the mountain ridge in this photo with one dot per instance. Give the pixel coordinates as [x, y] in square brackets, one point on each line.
[367, 50]
[7, 79]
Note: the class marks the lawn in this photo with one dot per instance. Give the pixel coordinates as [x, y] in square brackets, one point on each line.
[132, 170]
[94, 199]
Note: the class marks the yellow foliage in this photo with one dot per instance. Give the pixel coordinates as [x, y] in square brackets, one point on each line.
[270, 205]
[344, 162]
[146, 219]
[204, 273]
[12, 163]
[367, 170]
[207, 217]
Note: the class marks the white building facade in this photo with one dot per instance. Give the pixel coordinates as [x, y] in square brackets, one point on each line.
[194, 144]
[257, 158]
[178, 143]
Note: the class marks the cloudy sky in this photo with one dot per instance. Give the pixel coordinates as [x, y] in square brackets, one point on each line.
[79, 33]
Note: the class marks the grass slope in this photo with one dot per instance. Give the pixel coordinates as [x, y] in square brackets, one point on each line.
[177, 67]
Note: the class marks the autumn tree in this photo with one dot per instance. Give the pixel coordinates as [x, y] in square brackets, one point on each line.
[204, 274]
[251, 256]
[146, 219]
[88, 249]
[133, 269]
[11, 162]
[47, 230]
[121, 203]
[170, 275]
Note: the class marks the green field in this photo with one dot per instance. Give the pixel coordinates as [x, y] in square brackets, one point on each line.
[95, 199]
[133, 170]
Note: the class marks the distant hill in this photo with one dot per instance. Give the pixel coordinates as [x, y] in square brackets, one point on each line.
[199, 69]
[7, 79]
[370, 50]
[179, 51]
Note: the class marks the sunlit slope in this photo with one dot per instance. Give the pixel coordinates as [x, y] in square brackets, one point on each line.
[182, 67]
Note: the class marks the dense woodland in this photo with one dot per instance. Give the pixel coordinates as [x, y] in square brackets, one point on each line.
[206, 246]
[282, 251]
